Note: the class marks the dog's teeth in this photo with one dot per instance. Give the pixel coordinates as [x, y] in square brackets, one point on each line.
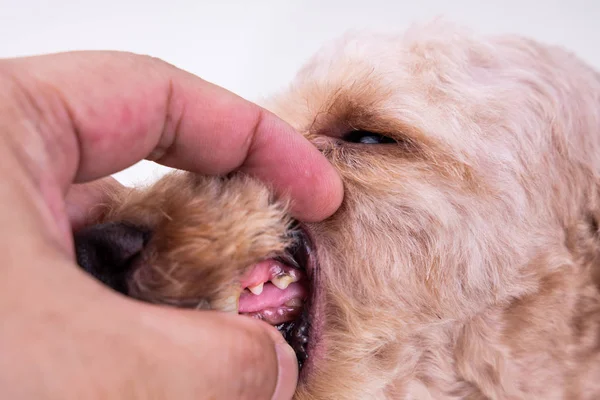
[257, 289]
[283, 281]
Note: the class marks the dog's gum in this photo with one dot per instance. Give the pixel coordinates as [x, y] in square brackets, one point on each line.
[271, 297]
[278, 315]
[268, 270]
[295, 302]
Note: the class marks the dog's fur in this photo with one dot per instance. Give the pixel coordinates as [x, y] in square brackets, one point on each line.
[463, 263]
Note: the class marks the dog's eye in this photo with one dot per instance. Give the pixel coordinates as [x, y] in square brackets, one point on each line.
[366, 137]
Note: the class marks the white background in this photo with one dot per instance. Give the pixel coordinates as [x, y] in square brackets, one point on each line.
[254, 47]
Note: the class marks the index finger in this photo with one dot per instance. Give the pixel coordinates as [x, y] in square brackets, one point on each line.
[101, 112]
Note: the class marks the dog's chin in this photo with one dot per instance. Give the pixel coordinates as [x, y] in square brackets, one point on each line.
[283, 291]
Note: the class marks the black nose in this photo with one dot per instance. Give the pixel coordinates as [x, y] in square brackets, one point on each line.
[108, 251]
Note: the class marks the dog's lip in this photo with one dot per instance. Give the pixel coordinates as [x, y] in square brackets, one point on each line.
[314, 304]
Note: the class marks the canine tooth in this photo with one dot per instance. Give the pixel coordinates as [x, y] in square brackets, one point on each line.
[257, 289]
[282, 281]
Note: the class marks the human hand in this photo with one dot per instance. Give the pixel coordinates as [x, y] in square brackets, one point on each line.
[76, 117]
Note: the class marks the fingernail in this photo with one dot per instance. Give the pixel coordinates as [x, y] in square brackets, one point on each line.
[287, 377]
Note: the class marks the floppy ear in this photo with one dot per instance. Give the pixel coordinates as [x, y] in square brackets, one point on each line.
[108, 251]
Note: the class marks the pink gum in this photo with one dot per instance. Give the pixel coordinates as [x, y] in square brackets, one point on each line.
[266, 270]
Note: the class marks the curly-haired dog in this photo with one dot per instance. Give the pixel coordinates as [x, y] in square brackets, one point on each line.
[464, 262]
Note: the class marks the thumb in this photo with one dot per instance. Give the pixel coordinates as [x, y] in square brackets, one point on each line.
[238, 357]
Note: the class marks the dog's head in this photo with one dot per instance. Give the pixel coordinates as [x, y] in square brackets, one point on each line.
[469, 168]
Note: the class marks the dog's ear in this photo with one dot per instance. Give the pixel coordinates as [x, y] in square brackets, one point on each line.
[108, 251]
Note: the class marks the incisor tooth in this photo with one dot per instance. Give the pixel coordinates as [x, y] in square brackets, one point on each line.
[282, 281]
[257, 289]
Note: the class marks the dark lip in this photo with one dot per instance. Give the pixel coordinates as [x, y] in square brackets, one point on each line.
[308, 259]
[298, 256]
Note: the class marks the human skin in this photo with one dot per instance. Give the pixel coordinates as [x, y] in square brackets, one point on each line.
[73, 118]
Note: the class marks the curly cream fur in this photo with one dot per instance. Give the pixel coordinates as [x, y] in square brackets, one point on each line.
[193, 259]
[463, 263]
